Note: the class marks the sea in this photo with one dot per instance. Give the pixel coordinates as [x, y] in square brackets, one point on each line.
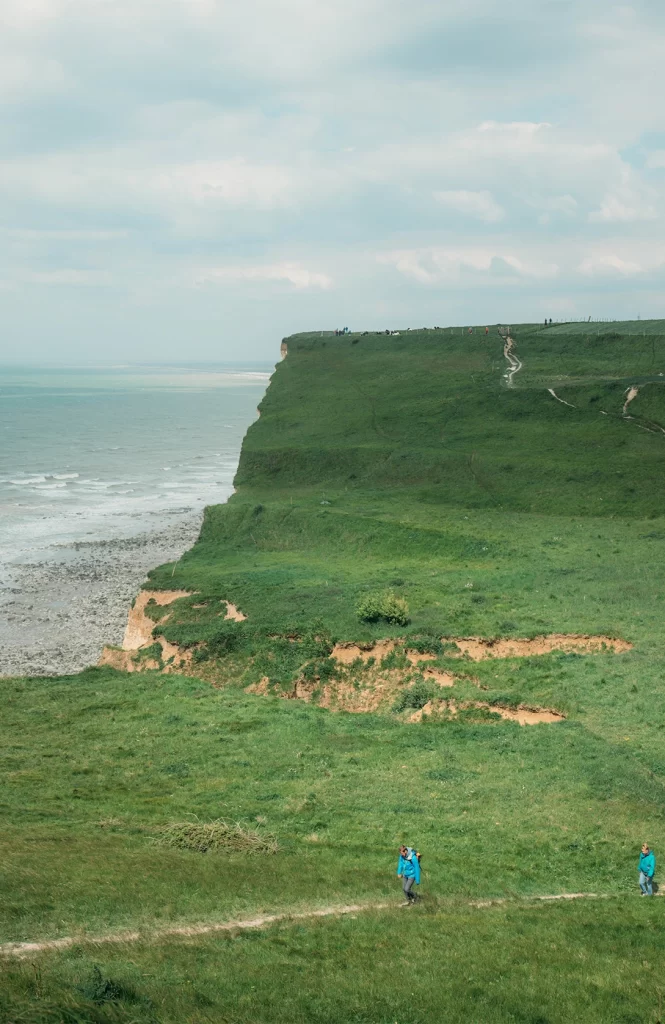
[92, 456]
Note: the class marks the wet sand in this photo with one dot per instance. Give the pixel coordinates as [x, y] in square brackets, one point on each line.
[58, 611]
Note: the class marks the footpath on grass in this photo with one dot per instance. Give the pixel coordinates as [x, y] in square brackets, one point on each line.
[24, 949]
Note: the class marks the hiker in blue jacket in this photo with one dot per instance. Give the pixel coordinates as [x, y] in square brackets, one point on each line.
[647, 870]
[408, 869]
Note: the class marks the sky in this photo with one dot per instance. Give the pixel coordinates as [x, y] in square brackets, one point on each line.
[192, 180]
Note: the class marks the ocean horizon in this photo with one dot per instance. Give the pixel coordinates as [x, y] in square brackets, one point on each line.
[91, 453]
[104, 474]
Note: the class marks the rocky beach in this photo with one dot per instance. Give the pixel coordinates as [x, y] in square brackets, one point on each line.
[92, 496]
[58, 611]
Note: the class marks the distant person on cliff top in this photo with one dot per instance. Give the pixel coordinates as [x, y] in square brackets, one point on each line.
[408, 869]
[647, 868]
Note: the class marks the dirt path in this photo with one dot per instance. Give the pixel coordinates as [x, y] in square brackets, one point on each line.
[25, 949]
[563, 402]
[630, 394]
[514, 364]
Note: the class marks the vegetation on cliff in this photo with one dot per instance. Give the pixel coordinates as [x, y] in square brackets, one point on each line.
[379, 465]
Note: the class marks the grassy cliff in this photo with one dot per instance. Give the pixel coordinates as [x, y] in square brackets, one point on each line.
[402, 464]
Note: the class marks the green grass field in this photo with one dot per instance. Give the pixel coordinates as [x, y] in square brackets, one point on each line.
[400, 463]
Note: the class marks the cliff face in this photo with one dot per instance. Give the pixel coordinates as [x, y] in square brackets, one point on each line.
[431, 410]
[407, 466]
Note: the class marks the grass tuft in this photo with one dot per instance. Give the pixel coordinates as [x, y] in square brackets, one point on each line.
[206, 836]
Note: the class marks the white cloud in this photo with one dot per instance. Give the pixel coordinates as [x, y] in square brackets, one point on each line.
[481, 205]
[623, 206]
[514, 127]
[656, 160]
[294, 273]
[23, 77]
[278, 145]
[235, 182]
[68, 277]
[552, 207]
[442, 265]
[609, 263]
[64, 235]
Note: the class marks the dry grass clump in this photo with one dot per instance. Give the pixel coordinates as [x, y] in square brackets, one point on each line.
[203, 836]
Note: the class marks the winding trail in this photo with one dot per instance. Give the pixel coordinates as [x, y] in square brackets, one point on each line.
[25, 949]
[630, 394]
[514, 364]
[563, 402]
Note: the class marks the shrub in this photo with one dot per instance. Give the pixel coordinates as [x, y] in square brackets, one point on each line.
[316, 641]
[322, 668]
[99, 990]
[395, 659]
[383, 605]
[416, 696]
[151, 653]
[202, 836]
[227, 639]
[425, 644]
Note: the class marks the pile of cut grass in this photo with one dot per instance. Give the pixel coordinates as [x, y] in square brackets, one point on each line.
[205, 836]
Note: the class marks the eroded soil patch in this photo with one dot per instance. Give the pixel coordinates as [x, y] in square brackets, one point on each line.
[477, 648]
[233, 613]
[375, 691]
[141, 652]
[139, 625]
[522, 714]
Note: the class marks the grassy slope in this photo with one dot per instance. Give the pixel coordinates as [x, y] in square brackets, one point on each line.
[436, 477]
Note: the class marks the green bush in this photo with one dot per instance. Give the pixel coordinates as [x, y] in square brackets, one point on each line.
[383, 605]
[425, 644]
[321, 668]
[416, 696]
[100, 990]
[227, 639]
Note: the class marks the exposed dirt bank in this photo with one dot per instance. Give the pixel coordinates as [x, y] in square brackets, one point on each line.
[140, 651]
[477, 648]
[139, 626]
[522, 715]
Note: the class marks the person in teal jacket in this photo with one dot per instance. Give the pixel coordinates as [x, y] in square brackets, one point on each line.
[408, 869]
[647, 870]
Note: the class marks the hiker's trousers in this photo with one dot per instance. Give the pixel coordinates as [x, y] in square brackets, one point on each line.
[407, 885]
[646, 884]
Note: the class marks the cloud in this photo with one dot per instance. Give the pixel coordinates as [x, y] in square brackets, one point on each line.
[609, 263]
[481, 205]
[656, 160]
[300, 277]
[366, 157]
[67, 277]
[623, 206]
[623, 259]
[517, 128]
[64, 235]
[439, 266]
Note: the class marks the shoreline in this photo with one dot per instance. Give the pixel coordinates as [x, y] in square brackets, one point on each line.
[60, 609]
